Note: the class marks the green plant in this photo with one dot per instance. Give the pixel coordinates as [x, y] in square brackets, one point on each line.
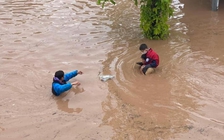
[153, 17]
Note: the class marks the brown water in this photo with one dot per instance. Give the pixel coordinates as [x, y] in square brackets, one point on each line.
[182, 100]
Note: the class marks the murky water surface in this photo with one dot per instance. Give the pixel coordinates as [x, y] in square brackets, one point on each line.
[182, 100]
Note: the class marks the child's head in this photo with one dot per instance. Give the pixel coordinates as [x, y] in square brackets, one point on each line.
[143, 48]
[59, 74]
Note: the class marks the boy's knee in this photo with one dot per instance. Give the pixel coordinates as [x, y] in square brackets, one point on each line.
[149, 71]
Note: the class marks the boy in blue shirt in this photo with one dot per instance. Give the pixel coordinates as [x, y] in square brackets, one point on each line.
[60, 82]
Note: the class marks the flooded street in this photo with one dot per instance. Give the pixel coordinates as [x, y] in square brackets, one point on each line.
[182, 100]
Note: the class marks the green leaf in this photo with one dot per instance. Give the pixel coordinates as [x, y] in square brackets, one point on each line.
[98, 2]
[112, 1]
[136, 2]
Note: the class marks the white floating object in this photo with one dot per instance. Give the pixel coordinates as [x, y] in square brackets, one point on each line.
[106, 77]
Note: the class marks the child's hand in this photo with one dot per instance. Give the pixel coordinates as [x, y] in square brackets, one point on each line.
[142, 66]
[80, 72]
[76, 83]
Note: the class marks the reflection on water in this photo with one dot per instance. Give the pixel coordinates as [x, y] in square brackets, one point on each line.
[63, 100]
[78, 90]
[63, 106]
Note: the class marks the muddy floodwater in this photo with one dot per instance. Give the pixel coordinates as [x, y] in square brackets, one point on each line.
[182, 100]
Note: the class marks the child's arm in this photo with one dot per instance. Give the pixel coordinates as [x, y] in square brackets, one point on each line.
[59, 89]
[143, 61]
[153, 63]
[70, 75]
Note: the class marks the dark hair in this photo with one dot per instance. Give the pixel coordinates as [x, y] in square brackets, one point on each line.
[59, 74]
[143, 47]
[143, 56]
